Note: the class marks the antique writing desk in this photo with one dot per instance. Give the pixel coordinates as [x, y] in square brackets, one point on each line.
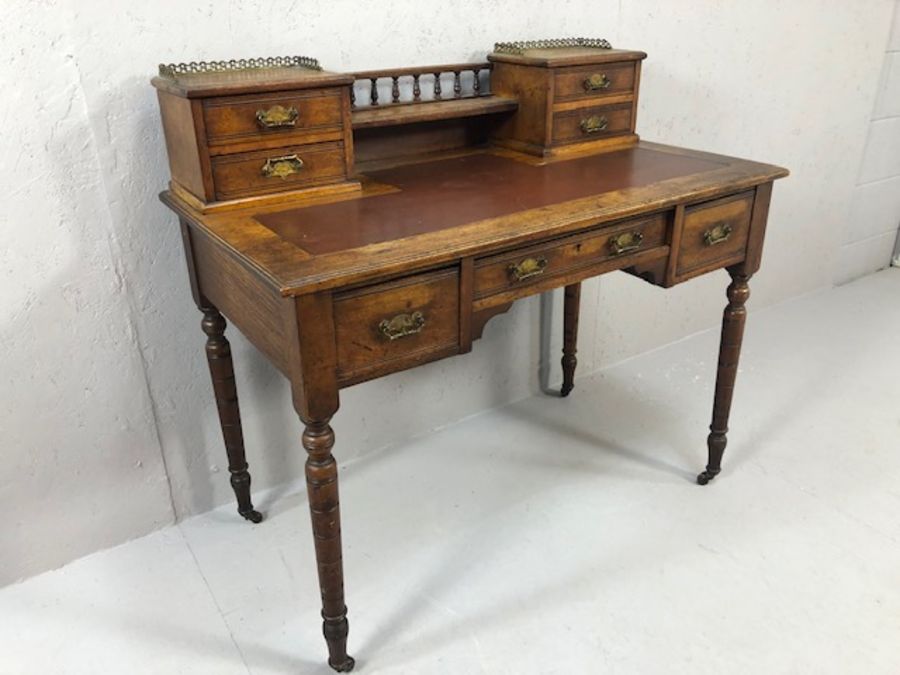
[356, 225]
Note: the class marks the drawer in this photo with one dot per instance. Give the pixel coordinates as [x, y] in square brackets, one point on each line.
[277, 170]
[303, 116]
[591, 123]
[518, 269]
[396, 325]
[593, 81]
[714, 232]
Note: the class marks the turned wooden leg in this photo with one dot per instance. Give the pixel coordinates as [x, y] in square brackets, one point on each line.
[324, 509]
[729, 353]
[570, 337]
[221, 370]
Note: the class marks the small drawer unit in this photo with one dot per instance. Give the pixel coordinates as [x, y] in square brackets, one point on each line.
[573, 94]
[395, 325]
[255, 129]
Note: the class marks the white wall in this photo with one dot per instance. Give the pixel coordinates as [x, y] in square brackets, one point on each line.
[871, 231]
[107, 419]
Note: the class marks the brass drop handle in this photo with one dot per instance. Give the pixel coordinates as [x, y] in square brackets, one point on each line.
[596, 81]
[594, 124]
[717, 234]
[625, 242]
[282, 167]
[530, 267]
[402, 325]
[277, 116]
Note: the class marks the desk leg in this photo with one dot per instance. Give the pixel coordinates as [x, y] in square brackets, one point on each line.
[570, 336]
[324, 509]
[221, 370]
[729, 354]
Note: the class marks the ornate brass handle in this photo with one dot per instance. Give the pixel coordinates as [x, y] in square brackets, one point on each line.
[717, 234]
[277, 116]
[402, 325]
[596, 81]
[530, 267]
[282, 167]
[594, 124]
[625, 242]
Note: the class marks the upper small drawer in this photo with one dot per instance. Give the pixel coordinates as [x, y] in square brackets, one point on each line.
[593, 81]
[301, 116]
[714, 233]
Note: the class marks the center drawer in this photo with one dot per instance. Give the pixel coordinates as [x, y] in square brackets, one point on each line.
[396, 325]
[521, 268]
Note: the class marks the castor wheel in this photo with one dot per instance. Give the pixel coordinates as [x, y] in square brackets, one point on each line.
[344, 667]
[252, 515]
[706, 476]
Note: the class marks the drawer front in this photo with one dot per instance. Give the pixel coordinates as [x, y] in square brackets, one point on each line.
[714, 232]
[290, 116]
[593, 81]
[277, 170]
[396, 325]
[591, 123]
[519, 269]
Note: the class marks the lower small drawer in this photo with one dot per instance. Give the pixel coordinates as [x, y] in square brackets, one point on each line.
[591, 123]
[278, 170]
[396, 325]
[714, 233]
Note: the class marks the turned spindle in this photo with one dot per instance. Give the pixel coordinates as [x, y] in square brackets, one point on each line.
[395, 89]
[457, 85]
[437, 85]
[373, 94]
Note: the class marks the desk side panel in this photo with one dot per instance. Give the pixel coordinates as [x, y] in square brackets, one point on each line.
[247, 300]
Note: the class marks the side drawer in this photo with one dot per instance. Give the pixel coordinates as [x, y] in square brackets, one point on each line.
[396, 325]
[524, 267]
[303, 116]
[593, 81]
[277, 170]
[714, 233]
[591, 123]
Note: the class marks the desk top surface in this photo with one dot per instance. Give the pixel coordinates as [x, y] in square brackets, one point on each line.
[419, 215]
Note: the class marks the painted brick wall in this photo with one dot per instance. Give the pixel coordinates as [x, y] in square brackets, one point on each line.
[871, 232]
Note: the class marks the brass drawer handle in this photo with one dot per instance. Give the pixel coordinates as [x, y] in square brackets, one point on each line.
[594, 124]
[282, 167]
[402, 325]
[596, 81]
[625, 242]
[530, 267]
[717, 234]
[277, 116]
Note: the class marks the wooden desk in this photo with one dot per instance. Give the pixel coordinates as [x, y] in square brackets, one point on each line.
[336, 288]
